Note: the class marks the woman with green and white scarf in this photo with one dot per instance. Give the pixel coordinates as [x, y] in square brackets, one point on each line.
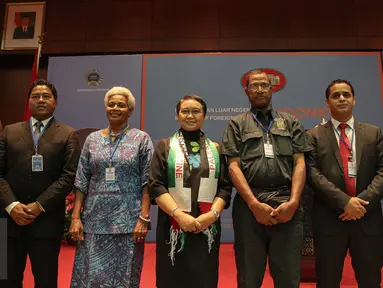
[189, 181]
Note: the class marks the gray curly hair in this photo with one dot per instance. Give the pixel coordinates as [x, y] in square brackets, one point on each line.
[121, 91]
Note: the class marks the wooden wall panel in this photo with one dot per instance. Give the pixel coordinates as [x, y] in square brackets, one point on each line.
[2, 15]
[321, 19]
[185, 19]
[253, 19]
[15, 71]
[119, 20]
[254, 44]
[103, 26]
[119, 45]
[185, 44]
[143, 26]
[323, 44]
[370, 20]
[66, 21]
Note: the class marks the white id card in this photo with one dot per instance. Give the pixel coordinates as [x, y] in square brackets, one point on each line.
[352, 169]
[37, 163]
[269, 152]
[110, 175]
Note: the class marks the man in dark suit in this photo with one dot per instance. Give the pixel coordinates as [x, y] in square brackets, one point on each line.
[25, 30]
[345, 170]
[38, 162]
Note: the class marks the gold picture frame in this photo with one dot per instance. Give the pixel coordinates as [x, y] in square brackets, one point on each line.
[23, 25]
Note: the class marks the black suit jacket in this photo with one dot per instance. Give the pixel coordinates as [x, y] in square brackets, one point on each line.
[325, 176]
[19, 34]
[60, 149]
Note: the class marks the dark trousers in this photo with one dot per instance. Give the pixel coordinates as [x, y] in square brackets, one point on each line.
[43, 254]
[255, 243]
[365, 251]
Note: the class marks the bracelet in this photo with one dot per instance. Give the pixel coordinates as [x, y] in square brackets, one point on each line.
[172, 213]
[216, 213]
[40, 207]
[147, 220]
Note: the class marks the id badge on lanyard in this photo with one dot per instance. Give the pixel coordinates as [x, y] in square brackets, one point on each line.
[269, 151]
[352, 169]
[110, 175]
[351, 164]
[268, 146]
[37, 160]
[37, 163]
[110, 172]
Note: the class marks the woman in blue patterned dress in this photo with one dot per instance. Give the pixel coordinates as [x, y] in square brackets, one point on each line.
[112, 198]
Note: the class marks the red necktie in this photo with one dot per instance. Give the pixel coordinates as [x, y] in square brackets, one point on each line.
[345, 155]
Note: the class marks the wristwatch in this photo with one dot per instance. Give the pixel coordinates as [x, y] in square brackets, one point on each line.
[215, 212]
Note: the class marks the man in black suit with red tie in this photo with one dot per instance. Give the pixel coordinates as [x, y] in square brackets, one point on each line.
[345, 170]
[38, 162]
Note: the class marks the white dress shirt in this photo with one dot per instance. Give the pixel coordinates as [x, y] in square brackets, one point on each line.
[34, 121]
[45, 122]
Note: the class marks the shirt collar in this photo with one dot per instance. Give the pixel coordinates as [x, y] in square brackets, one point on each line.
[45, 122]
[268, 111]
[336, 123]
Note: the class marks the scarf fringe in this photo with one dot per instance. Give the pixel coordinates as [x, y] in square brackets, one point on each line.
[178, 234]
[210, 233]
[175, 234]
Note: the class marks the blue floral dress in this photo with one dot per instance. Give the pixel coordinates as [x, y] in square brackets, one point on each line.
[108, 257]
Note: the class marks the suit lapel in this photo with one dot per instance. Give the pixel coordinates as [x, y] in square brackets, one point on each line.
[329, 131]
[49, 133]
[359, 136]
[27, 134]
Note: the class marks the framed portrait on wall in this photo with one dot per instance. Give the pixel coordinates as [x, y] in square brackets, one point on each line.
[23, 24]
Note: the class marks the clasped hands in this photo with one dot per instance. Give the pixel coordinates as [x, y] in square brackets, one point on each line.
[268, 216]
[190, 224]
[354, 209]
[25, 214]
[76, 230]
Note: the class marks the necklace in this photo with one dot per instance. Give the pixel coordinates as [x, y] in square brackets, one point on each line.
[117, 134]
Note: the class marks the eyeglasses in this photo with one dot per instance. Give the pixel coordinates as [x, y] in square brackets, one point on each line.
[194, 112]
[263, 86]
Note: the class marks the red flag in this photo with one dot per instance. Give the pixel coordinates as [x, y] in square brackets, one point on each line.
[17, 19]
[34, 76]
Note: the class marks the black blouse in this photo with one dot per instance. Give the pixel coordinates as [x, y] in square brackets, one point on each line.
[158, 174]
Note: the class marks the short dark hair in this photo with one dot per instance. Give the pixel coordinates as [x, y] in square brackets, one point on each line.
[254, 72]
[43, 82]
[338, 81]
[192, 97]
